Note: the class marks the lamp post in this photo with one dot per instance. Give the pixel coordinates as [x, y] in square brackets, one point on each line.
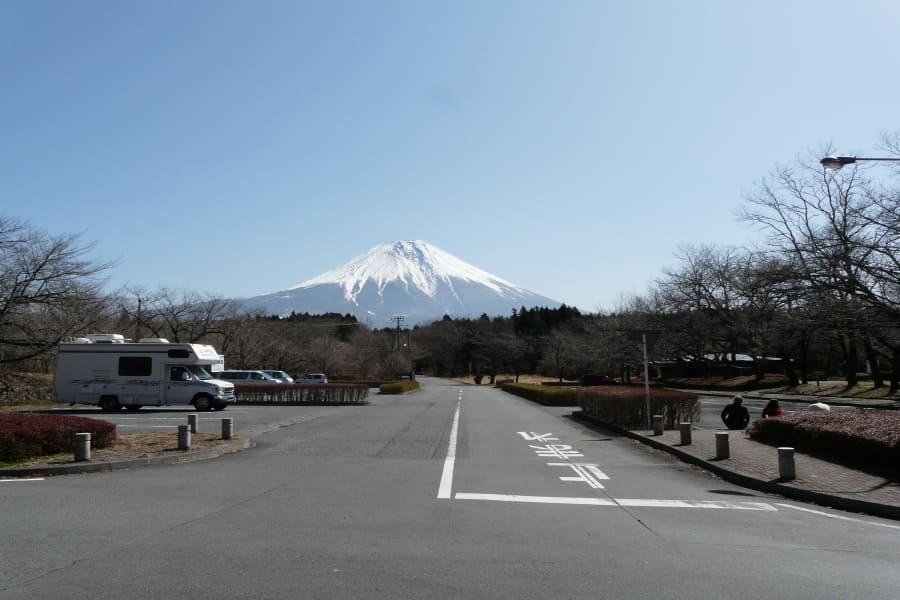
[834, 163]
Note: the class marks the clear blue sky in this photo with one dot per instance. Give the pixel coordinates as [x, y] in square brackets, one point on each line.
[239, 148]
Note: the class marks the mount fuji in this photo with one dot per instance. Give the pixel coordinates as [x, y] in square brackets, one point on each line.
[415, 279]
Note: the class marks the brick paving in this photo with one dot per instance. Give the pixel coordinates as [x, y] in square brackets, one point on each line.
[760, 461]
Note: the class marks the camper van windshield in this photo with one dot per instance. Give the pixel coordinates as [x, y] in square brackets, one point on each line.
[198, 372]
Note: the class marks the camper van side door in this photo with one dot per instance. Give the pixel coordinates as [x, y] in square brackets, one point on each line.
[179, 385]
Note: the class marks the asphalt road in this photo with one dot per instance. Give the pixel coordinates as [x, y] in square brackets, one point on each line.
[450, 492]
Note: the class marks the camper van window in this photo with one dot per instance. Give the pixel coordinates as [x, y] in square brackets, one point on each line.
[199, 372]
[135, 366]
[179, 353]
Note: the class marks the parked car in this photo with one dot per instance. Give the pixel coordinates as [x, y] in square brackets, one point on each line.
[312, 378]
[246, 377]
[281, 376]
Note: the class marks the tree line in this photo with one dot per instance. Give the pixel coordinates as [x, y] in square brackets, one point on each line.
[819, 294]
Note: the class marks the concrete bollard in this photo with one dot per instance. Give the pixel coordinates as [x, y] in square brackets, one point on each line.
[193, 419]
[657, 424]
[685, 433]
[227, 428]
[786, 467]
[82, 446]
[184, 437]
[722, 450]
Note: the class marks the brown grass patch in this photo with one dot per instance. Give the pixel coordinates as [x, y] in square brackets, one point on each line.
[131, 446]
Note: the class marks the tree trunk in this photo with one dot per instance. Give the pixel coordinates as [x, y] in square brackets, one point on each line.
[848, 349]
[895, 369]
[872, 358]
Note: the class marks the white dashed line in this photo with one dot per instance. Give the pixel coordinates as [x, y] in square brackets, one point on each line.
[447, 476]
[23, 479]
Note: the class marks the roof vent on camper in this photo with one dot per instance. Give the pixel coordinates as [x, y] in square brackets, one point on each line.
[106, 338]
[153, 341]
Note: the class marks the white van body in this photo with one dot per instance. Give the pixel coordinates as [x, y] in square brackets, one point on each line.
[107, 371]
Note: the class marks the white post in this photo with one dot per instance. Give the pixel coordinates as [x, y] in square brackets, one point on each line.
[786, 467]
[184, 437]
[657, 424]
[192, 422]
[685, 433]
[227, 428]
[82, 447]
[722, 450]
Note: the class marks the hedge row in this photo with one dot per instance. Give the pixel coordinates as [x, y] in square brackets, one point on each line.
[398, 387]
[26, 435]
[317, 394]
[547, 395]
[729, 384]
[626, 406]
[868, 437]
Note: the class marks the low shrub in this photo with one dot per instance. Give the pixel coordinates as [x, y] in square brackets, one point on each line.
[626, 406]
[729, 384]
[26, 435]
[398, 387]
[547, 395]
[296, 394]
[867, 437]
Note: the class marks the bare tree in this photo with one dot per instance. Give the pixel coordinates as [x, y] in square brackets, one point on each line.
[49, 289]
[180, 316]
[822, 222]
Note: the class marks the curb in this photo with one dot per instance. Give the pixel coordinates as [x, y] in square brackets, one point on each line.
[149, 461]
[886, 511]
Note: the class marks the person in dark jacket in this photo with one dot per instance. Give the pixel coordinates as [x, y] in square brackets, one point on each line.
[736, 415]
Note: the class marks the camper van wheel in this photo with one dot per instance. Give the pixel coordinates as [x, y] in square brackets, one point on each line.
[203, 402]
[109, 404]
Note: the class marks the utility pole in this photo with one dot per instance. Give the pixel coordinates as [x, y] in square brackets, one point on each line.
[399, 320]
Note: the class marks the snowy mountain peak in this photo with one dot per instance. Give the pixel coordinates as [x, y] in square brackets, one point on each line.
[415, 278]
[417, 265]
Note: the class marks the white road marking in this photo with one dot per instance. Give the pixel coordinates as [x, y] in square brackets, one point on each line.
[147, 426]
[447, 476]
[629, 502]
[556, 451]
[587, 473]
[838, 517]
[534, 499]
[537, 437]
[23, 479]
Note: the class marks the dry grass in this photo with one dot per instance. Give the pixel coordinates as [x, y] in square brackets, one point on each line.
[132, 446]
[532, 379]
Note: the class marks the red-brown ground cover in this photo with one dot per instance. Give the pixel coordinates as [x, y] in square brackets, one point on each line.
[25, 435]
[866, 437]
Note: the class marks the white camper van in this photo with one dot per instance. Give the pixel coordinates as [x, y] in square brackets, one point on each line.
[107, 370]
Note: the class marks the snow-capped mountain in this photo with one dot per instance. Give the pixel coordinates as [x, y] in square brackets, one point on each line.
[414, 279]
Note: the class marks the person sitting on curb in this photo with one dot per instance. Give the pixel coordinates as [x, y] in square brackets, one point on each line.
[772, 409]
[736, 415]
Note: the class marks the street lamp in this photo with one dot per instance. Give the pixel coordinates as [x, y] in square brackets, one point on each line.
[834, 163]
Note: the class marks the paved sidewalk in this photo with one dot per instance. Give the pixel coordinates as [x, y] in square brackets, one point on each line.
[754, 465]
